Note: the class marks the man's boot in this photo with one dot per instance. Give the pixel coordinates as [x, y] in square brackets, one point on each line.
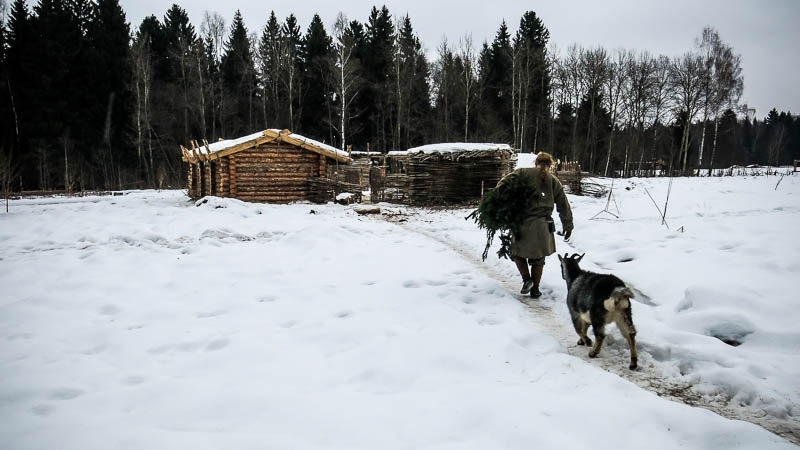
[536, 276]
[522, 267]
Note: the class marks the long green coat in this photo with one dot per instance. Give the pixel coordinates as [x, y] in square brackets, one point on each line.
[535, 239]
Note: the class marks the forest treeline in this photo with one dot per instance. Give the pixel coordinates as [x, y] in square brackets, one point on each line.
[88, 102]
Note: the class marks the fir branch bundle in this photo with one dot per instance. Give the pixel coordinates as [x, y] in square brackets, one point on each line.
[503, 209]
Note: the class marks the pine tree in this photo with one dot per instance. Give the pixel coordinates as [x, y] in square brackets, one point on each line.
[109, 40]
[269, 58]
[315, 119]
[531, 82]
[411, 98]
[444, 79]
[182, 46]
[496, 80]
[293, 62]
[238, 77]
[378, 100]
[357, 120]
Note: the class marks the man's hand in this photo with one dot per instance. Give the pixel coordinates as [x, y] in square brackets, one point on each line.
[567, 235]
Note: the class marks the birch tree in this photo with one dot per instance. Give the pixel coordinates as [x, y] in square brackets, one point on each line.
[142, 84]
[213, 34]
[346, 69]
[469, 61]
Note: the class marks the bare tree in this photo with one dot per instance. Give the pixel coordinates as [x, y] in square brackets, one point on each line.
[686, 79]
[642, 81]
[559, 86]
[469, 60]
[289, 66]
[575, 86]
[660, 98]
[614, 84]
[729, 84]
[707, 46]
[441, 88]
[8, 171]
[213, 34]
[346, 69]
[142, 85]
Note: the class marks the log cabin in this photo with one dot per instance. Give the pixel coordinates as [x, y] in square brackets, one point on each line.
[271, 166]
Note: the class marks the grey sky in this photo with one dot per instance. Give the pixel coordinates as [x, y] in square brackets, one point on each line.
[766, 33]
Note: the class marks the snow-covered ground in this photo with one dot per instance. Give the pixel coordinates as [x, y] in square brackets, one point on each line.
[148, 321]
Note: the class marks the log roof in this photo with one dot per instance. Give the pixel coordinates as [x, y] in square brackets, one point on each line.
[206, 151]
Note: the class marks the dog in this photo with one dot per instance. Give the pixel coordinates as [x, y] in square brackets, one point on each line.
[598, 299]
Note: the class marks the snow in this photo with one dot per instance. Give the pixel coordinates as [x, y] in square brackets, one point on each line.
[228, 143]
[452, 147]
[149, 321]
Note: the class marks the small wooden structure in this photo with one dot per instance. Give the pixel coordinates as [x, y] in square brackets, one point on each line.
[271, 166]
[443, 174]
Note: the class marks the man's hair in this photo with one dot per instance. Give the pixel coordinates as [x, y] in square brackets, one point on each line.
[544, 158]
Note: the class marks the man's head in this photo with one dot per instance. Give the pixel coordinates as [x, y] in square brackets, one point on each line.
[543, 159]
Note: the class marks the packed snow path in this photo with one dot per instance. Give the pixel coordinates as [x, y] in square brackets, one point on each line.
[615, 355]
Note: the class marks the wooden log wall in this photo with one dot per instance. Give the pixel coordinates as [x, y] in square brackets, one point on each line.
[207, 183]
[272, 173]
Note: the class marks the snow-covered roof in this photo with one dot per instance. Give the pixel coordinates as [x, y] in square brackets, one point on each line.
[229, 146]
[451, 147]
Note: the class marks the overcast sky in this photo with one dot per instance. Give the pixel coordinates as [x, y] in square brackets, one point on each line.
[765, 33]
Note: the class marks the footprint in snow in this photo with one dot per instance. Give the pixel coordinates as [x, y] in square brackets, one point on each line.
[488, 321]
[216, 344]
[64, 394]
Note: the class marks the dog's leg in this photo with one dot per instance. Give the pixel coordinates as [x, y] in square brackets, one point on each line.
[599, 336]
[580, 328]
[625, 325]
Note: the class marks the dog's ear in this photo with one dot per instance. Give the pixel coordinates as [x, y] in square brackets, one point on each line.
[579, 258]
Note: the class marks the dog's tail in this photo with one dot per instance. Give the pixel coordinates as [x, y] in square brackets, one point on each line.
[619, 299]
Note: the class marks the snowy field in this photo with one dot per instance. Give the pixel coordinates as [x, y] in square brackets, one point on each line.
[148, 321]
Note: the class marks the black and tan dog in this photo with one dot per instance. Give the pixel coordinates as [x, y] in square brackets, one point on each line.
[598, 299]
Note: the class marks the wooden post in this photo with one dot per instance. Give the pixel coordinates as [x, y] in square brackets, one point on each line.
[207, 178]
[189, 179]
[232, 172]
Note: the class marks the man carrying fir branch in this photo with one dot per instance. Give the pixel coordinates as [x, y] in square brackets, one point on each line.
[534, 239]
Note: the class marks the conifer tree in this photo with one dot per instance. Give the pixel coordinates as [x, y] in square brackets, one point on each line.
[269, 63]
[411, 71]
[444, 82]
[182, 46]
[378, 100]
[239, 84]
[292, 68]
[496, 79]
[317, 83]
[109, 39]
[531, 82]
